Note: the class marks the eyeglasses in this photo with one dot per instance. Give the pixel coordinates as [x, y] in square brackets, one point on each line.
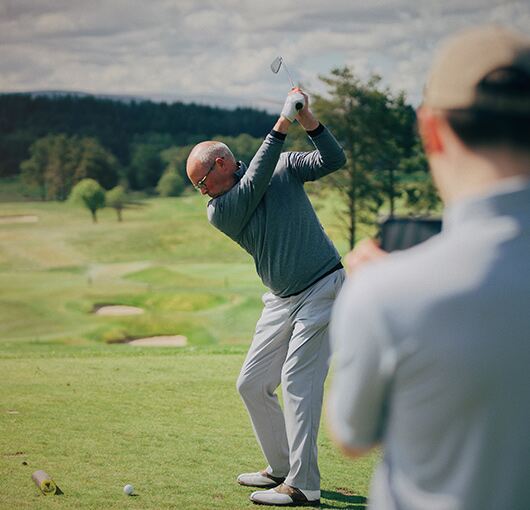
[202, 182]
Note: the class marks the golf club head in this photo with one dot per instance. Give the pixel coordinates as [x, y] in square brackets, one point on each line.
[276, 64]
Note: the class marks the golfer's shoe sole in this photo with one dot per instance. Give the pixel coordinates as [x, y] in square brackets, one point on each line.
[260, 480]
[294, 503]
[283, 495]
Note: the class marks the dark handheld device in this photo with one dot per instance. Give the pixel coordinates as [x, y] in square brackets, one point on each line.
[400, 233]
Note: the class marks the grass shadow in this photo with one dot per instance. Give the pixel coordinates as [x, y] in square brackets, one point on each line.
[345, 500]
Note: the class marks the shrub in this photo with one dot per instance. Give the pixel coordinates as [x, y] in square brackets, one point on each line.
[116, 198]
[89, 193]
[170, 184]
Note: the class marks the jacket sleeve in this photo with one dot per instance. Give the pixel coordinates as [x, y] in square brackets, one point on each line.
[329, 157]
[231, 211]
[364, 366]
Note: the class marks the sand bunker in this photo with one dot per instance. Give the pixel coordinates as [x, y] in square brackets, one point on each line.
[114, 310]
[161, 341]
[19, 218]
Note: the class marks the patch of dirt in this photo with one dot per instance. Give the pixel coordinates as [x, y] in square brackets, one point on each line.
[345, 492]
[116, 310]
[161, 341]
[19, 218]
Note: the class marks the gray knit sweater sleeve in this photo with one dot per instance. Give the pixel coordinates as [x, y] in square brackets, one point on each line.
[232, 211]
[310, 166]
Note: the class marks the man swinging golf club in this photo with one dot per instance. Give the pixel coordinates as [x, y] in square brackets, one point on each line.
[265, 209]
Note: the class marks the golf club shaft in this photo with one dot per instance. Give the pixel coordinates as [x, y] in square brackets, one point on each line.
[288, 74]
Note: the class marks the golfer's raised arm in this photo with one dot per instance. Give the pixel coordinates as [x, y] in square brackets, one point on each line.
[232, 211]
[329, 156]
[238, 204]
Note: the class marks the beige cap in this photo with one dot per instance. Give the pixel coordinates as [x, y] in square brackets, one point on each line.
[465, 59]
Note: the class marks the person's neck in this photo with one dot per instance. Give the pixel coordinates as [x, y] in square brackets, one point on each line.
[226, 186]
[479, 173]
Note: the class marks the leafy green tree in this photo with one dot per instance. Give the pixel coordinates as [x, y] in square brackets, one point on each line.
[376, 129]
[33, 169]
[116, 198]
[243, 146]
[246, 146]
[95, 162]
[59, 172]
[175, 159]
[89, 193]
[146, 166]
[420, 194]
[170, 184]
[58, 162]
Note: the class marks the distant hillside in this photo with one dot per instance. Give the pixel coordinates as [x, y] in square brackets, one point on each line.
[214, 100]
[75, 93]
[115, 122]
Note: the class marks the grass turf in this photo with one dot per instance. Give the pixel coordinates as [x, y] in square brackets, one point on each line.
[171, 424]
[164, 257]
[96, 416]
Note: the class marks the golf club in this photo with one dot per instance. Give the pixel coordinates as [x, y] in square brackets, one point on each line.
[275, 67]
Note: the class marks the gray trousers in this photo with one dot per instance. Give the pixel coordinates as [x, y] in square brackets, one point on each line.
[291, 347]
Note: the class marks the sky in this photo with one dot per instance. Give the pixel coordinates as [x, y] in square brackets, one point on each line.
[219, 51]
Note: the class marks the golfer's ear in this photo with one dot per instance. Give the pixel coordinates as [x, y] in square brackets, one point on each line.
[429, 124]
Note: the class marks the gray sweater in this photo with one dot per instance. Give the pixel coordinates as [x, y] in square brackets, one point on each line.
[268, 213]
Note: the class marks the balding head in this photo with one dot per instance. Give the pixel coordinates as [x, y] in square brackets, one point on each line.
[203, 156]
[203, 159]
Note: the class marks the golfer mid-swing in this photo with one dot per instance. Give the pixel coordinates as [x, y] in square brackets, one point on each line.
[265, 209]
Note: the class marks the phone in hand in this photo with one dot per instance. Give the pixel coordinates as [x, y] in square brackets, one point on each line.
[400, 233]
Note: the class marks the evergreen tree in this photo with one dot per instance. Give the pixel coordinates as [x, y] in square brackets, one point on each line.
[376, 129]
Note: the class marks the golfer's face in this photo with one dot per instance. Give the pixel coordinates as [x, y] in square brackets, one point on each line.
[201, 184]
[220, 179]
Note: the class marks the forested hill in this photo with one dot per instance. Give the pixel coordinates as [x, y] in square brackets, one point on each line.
[116, 124]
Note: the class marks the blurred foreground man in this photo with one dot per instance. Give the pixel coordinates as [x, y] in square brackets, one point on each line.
[432, 344]
[265, 210]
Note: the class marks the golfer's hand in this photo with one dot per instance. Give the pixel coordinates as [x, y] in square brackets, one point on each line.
[289, 110]
[365, 251]
[305, 116]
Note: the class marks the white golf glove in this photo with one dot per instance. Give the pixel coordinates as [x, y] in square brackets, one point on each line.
[293, 104]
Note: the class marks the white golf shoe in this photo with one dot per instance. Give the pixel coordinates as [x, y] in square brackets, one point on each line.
[285, 495]
[260, 479]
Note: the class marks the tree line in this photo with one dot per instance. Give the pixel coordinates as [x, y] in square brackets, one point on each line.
[144, 146]
[57, 162]
[118, 125]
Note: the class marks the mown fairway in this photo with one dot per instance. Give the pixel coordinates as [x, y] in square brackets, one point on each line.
[164, 257]
[97, 415]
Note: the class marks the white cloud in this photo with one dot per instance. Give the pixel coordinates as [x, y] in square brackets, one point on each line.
[224, 47]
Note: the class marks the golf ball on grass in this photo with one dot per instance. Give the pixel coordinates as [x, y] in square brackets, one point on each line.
[128, 489]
